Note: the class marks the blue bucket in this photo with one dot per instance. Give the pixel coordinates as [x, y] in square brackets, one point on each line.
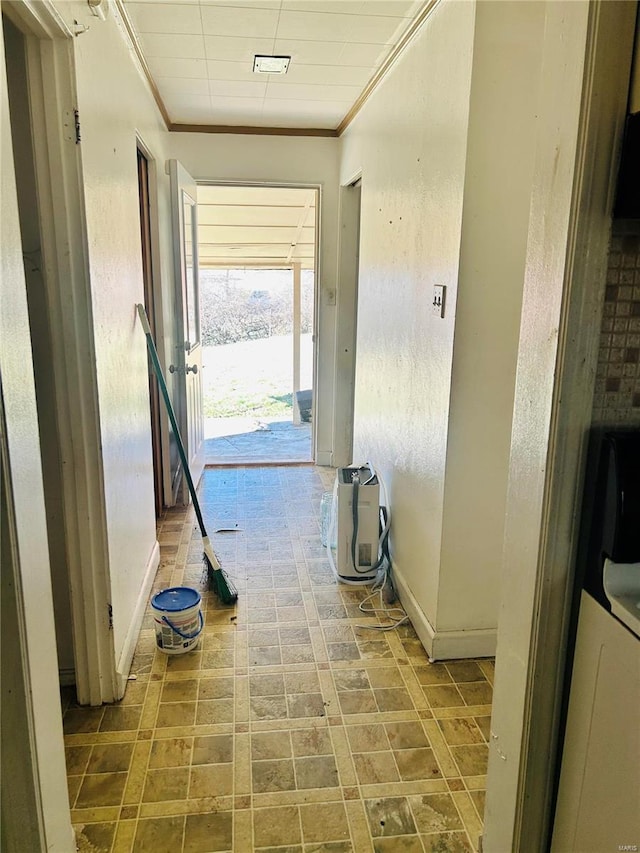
[178, 619]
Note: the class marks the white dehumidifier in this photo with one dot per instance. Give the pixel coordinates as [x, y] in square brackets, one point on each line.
[365, 520]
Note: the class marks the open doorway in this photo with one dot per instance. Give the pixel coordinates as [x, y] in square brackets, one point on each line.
[257, 254]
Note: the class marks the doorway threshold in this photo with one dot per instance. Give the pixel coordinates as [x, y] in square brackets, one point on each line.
[265, 463]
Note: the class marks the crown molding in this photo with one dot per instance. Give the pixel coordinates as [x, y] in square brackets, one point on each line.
[253, 130]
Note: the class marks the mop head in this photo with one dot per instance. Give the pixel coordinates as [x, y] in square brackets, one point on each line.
[218, 580]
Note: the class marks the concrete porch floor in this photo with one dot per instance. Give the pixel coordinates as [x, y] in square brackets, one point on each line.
[246, 440]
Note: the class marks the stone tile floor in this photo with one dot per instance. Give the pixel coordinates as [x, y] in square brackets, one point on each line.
[290, 728]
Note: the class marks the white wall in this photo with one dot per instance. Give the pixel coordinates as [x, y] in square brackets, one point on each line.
[283, 160]
[446, 147]
[114, 104]
[497, 198]
[410, 143]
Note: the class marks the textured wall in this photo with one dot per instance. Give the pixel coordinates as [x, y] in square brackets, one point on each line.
[410, 142]
[446, 147]
[114, 105]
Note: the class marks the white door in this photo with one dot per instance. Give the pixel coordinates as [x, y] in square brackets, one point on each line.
[186, 364]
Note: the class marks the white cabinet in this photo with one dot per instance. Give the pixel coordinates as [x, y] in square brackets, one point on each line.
[598, 805]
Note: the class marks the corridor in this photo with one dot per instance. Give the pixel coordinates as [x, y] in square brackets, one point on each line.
[290, 728]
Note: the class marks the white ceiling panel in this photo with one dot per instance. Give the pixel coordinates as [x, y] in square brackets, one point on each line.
[172, 45]
[166, 18]
[324, 75]
[236, 20]
[389, 8]
[364, 54]
[251, 4]
[172, 67]
[332, 27]
[217, 70]
[302, 113]
[310, 52]
[228, 48]
[237, 89]
[235, 108]
[199, 48]
[170, 86]
[311, 93]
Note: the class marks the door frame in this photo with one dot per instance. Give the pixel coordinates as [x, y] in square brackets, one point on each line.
[35, 804]
[317, 278]
[58, 164]
[349, 213]
[562, 305]
[159, 418]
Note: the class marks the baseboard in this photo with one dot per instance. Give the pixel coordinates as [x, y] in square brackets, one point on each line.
[126, 656]
[443, 645]
[324, 458]
[67, 677]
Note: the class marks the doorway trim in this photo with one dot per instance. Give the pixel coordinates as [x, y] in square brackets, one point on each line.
[318, 457]
[349, 210]
[58, 165]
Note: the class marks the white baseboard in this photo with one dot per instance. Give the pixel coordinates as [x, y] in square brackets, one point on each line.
[444, 645]
[126, 656]
[323, 458]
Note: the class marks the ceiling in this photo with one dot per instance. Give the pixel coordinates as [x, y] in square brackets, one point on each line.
[256, 227]
[199, 54]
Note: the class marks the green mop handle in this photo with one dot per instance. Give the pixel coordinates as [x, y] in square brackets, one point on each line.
[144, 320]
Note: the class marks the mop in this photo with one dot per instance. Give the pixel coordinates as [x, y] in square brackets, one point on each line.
[218, 580]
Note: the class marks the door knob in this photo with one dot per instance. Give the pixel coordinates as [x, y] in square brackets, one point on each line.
[188, 368]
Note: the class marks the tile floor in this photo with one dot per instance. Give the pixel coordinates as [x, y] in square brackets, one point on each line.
[290, 728]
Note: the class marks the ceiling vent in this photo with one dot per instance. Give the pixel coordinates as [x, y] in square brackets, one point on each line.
[271, 64]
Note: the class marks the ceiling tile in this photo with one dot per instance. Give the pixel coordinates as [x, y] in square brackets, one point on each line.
[371, 55]
[349, 7]
[311, 52]
[232, 71]
[244, 108]
[251, 4]
[162, 2]
[293, 91]
[239, 21]
[165, 18]
[346, 28]
[170, 86]
[387, 8]
[200, 53]
[189, 109]
[326, 114]
[170, 67]
[227, 48]
[324, 75]
[187, 47]
[236, 89]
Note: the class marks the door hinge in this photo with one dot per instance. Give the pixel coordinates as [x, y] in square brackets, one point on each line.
[110, 612]
[76, 119]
